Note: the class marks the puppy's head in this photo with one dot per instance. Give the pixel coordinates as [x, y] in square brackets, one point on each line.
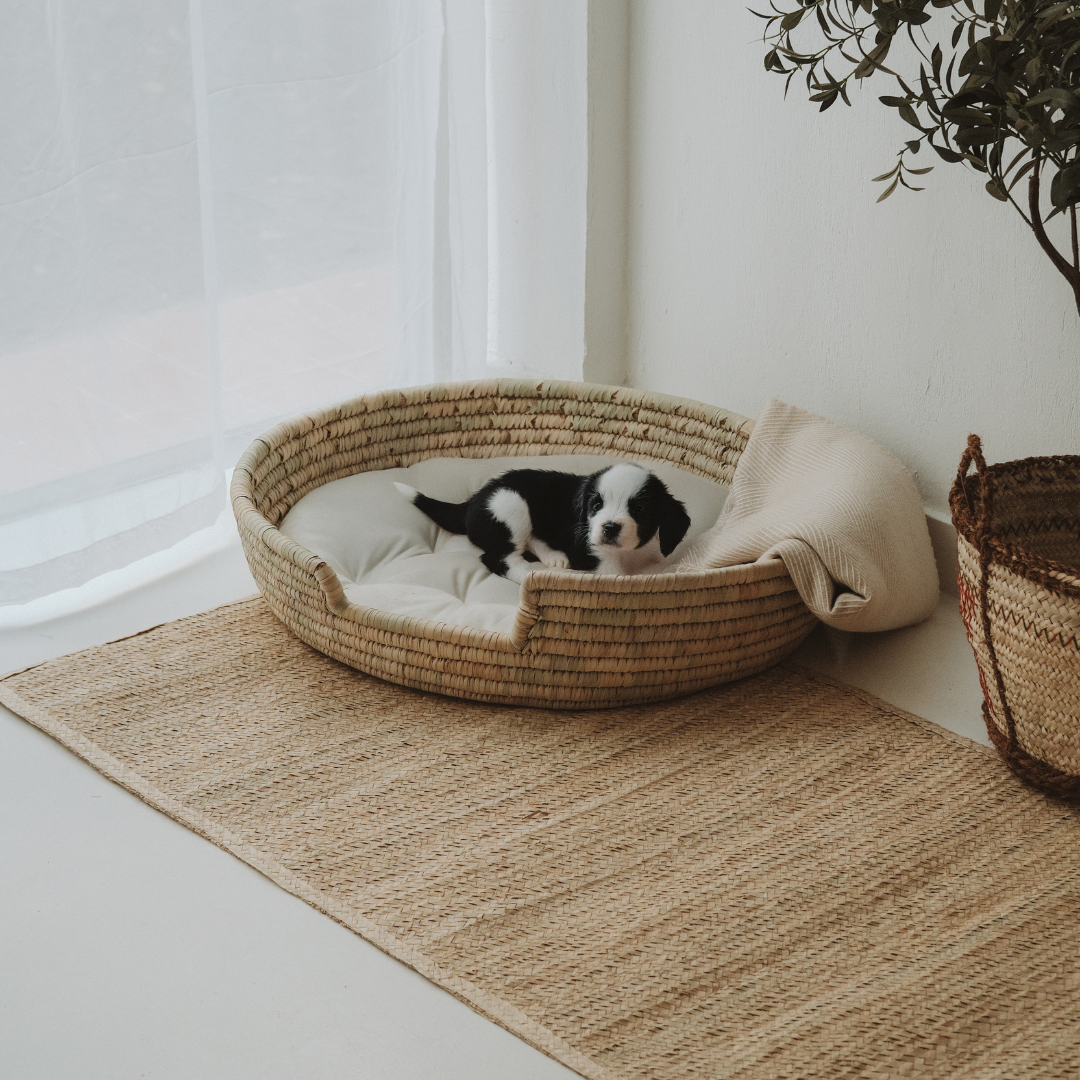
[625, 506]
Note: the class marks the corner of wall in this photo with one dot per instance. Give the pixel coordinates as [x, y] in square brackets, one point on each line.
[606, 301]
[943, 539]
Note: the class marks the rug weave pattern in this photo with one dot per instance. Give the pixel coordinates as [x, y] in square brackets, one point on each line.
[777, 878]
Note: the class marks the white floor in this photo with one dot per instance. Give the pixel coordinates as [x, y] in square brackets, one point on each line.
[129, 947]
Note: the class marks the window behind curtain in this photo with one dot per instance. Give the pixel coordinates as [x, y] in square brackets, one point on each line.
[215, 215]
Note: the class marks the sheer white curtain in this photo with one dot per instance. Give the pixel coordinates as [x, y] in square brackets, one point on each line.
[215, 215]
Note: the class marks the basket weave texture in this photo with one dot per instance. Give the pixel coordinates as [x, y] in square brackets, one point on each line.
[1018, 531]
[578, 640]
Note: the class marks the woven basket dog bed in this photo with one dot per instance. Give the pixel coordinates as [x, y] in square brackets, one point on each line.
[578, 640]
[1018, 531]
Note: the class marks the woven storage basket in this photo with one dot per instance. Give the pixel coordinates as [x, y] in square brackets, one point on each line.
[578, 640]
[1018, 531]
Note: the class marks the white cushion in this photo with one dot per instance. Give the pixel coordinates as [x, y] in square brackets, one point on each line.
[390, 555]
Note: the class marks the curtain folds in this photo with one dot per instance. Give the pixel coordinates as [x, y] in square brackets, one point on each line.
[215, 215]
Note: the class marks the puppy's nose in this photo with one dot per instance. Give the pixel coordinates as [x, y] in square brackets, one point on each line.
[611, 532]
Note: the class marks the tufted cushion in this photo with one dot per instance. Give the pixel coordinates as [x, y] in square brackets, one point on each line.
[391, 556]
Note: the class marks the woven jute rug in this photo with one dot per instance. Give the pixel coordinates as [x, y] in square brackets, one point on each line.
[778, 878]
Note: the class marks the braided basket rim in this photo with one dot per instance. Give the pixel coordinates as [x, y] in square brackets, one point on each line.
[1057, 577]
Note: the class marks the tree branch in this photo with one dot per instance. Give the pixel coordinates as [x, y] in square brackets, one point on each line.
[1075, 247]
[1065, 268]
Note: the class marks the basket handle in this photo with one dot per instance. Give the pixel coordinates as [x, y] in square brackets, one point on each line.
[973, 455]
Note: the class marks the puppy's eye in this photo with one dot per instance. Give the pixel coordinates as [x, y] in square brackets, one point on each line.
[595, 502]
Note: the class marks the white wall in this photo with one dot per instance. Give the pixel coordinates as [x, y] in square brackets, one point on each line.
[606, 295]
[759, 264]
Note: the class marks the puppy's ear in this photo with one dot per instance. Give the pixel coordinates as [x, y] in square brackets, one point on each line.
[581, 500]
[674, 521]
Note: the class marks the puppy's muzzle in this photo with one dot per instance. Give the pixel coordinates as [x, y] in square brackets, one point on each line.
[610, 532]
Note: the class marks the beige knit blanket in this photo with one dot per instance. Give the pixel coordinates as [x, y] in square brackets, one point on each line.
[840, 510]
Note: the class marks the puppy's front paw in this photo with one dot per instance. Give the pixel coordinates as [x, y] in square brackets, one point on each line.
[517, 571]
[556, 560]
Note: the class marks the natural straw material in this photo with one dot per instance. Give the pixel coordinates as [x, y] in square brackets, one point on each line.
[578, 641]
[780, 878]
[1018, 530]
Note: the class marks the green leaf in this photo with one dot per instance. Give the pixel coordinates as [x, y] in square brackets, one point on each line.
[1012, 164]
[1065, 187]
[975, 136]
[888, 191]
[1070, 54]
[872, 61]
[1056, 96]
[792, 19]
[908, 113]
[913, 145]
[1053, 13]
[969, 97]
[884, 175]
[927, 93]
[1062, 141]
[920, 172]
[992, 9]
[994, 190]
[969, 62]
[971, 117]
[946, 154]
[1026, 169]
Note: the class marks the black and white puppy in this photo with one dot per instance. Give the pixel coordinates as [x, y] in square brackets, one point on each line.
[621, 520]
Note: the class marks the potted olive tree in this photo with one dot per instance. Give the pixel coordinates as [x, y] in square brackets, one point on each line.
[998, 90]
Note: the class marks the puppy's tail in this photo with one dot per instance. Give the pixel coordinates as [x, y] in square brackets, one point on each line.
[448, 516]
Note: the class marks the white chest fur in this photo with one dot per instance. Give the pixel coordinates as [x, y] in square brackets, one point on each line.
[647, 559]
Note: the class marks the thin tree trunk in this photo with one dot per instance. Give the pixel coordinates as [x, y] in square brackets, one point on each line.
[1076, 247]
[1065, 268]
